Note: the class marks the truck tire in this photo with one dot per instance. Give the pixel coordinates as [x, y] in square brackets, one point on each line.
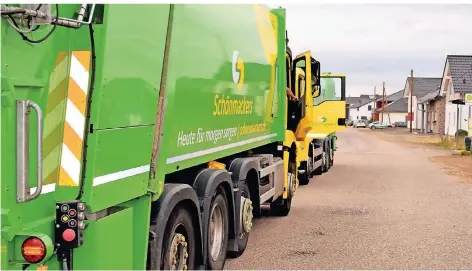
[330, 155]
[244, 237]
[325, 160]
[304, 178]
[217, 232]
[283, 209]
[179, 242]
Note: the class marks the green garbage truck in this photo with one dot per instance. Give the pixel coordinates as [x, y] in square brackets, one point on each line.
[143, 136]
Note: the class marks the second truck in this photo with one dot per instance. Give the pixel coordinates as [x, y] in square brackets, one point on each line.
[327, 114]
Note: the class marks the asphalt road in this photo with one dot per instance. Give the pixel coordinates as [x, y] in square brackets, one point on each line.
[381, 206]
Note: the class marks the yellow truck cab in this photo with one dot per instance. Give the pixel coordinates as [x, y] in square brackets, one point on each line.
[327, 108]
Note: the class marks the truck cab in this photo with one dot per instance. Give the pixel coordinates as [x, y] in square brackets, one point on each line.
[328, 115]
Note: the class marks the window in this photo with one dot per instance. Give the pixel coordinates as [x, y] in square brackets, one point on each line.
[369, 108]
[358, 109]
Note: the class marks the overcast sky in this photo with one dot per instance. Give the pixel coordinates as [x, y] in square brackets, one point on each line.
[375, 43]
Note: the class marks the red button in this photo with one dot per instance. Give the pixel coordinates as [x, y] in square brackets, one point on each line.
[72, 212]
[68, 235]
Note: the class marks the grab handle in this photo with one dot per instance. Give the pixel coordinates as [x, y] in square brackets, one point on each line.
[22, 150]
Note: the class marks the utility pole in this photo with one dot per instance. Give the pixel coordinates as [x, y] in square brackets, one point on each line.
[383, 101]
[375, 103]
[411, 101]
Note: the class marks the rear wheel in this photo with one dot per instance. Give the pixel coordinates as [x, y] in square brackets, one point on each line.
[217, 232]
[179, 242]
[245, 217]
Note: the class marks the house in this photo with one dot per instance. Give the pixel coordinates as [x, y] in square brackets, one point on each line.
[394, 110]
[433, 106]
[422, 86]
[456, 81]
[360, 107]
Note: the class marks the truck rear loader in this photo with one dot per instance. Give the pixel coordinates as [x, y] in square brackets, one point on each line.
[143, 136]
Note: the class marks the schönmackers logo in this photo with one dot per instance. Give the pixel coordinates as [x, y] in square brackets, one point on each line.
[238, 70]
[322, 119]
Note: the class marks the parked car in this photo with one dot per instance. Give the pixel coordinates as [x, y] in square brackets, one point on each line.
[400, 124]
[359, 124]
[377, 125]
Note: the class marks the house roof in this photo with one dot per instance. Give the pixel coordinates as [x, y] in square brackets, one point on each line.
[423, 85]
[430, 96]
[360, 103]
[460, 67]
[398, 106]
[363, 99]
[394, 96]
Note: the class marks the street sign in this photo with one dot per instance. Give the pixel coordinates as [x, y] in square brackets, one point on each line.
[468, 98]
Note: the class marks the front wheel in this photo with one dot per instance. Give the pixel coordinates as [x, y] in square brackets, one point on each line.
[283, 209]
[179, 242]
[325, 159]
[304, 178]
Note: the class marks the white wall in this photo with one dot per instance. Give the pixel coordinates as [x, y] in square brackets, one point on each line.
[357, 113]
[465, 112]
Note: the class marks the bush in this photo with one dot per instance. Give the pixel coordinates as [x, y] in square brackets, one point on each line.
[462, 133]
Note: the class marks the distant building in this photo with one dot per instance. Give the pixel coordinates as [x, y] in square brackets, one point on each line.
[422, 87]
[360, 107]
[456, 82]
[395, 110]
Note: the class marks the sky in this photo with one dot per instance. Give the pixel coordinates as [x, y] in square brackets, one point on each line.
[373, 43]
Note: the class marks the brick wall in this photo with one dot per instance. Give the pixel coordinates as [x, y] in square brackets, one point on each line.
[437, 116]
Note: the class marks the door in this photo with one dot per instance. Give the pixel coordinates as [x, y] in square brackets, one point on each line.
[329, 108]
[305, 81]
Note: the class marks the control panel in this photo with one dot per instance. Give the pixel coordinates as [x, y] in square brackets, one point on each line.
[69, 224]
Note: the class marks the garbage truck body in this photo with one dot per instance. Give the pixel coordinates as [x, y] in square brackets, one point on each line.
[143, 136]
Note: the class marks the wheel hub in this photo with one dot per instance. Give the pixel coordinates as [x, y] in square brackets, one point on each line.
[246, 214]
[216, 232]
[178, 253]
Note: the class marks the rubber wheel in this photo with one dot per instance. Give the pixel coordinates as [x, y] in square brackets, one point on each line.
[219, 216]
[179, 225]
[284, 208]
[304, 178]
[330, 155]
[325, 165]
[373, 128]
[243, 238]
[328, 160]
